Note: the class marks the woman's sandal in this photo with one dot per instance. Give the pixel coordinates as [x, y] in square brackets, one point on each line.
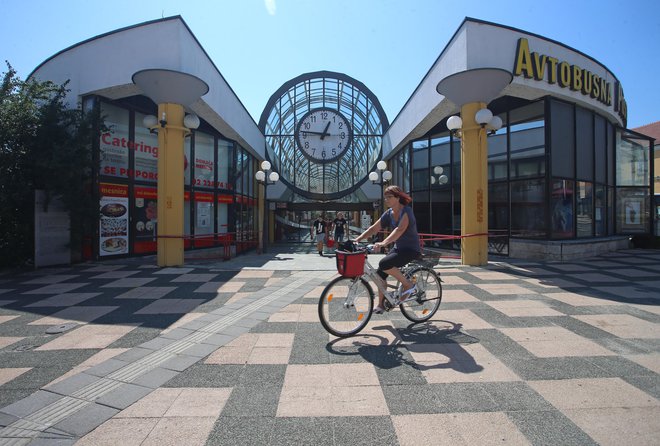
[378, 310]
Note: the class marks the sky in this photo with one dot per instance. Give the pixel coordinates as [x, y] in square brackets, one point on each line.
[388, 45]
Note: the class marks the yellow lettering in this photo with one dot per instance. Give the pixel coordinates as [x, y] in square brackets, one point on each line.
[595, 92]
[603, 91]
[523, 64]
[552, 70]
[576, 78]
[538, 63]
[587, 82]
[564, 74]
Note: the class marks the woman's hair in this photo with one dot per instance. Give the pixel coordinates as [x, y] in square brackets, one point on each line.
[396, 191]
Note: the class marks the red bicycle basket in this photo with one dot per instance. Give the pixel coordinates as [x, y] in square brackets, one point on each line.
[350, 264]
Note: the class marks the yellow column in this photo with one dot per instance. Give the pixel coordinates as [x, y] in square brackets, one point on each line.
[474, 187]
[170, 186]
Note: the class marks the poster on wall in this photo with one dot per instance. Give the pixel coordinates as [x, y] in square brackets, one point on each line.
[113, 221]
[144, 221]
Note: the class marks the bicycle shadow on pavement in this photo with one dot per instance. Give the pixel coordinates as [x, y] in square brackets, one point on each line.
[422, 346]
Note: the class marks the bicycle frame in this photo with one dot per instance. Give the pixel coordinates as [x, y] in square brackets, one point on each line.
[370, 272]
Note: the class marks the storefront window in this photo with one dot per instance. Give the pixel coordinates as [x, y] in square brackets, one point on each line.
[632, 160]
[584, 133]
[528, 209]
[114, 143]
[632, 210]
[562, 122]
[527, 141]
[225, 150]
[497, 162]
[420, 162]
[600, 209]
[585, 209]
[146, 153]
[561, 209]
[204, 161]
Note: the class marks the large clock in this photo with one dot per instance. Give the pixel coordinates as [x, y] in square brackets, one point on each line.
[323, 135]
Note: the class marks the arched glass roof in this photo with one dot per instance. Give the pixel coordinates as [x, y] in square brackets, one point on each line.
[298, 97]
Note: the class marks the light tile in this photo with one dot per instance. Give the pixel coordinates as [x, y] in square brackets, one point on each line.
[618, 426]
[448, 363]
[88, 336]
[231, 287]
[129, 282]
[254, 274]
[199, 402]
[154, 405]
[457, 296]
[171, 306]
[194, 278]
[465, 319]
[237, 297]
[79, 314]
[592, 393]
[494, 428]
[5, 318]
[114, 275]
[183, 320]
[623, 325]
[64, 300]
[144, 292]
[580, 300]
[8, 374]
[50, 279]
[191, 431]
[315, 293]
[553, 283]
[553, 342]
[523, 308]
[174, 271]
[9, 340]
[493, 275]
[56, 288]
[454, 280]
[120, 431]
[504, 288]
[650, 361]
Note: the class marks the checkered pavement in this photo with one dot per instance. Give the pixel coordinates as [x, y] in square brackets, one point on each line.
[519, 353]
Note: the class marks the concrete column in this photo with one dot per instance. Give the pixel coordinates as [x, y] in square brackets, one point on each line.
[170, 185]
[474, 187]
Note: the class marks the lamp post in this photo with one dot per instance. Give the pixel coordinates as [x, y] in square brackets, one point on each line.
[172, 91]
[265, 177]
[471, 90]
[381, 176]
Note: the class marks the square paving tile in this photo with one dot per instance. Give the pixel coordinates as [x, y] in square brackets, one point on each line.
[629, 292]
[209, 287]
[129, 282]
[195, 278]
[56, 288]
[124, 431]
[191, 431]
[650, 361]
[580, 300]
[466, 318]
[493, 428]
[523, 308]
[493, 275]
[331, 391]
[171, 306]
[9, 340]
[8, 374]
[457, 296]
[254, 274]
[80, 314]
[504, 288]
[548, 342]
[88, 336]
[594, 393]
[595, 277]
[114, 275]
[231, 287]
[64, 300]
[454, 280]
[620, 425]
[296, 313]
[623, 325]
[6, 318]
[49, 279]
[144, 292]
[448, 363]
[175, 271]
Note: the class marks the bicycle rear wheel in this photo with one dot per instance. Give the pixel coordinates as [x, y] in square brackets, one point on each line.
[428, 297]
[345, 306]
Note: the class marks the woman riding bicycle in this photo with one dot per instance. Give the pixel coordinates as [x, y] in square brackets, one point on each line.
[401, 218]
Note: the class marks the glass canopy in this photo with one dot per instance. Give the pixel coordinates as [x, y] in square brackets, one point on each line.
[313, 179]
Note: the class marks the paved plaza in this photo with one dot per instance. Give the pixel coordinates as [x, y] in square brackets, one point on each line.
[232, 353]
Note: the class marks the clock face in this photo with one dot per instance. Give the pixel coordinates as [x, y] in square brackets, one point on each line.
[323, 135]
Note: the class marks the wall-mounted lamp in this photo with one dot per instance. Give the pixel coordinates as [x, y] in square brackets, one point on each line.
[190, 122]
[483, 117]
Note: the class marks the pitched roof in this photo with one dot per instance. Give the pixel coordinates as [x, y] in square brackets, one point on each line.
[652, 130]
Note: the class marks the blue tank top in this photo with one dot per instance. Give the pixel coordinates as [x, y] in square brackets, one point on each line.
[409, 241]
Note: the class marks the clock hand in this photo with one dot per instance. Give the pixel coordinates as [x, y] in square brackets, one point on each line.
[325, 131]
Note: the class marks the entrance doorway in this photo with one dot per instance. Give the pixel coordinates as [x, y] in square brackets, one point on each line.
[293, 222]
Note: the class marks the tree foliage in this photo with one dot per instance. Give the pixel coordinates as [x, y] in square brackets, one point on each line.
[43, 145]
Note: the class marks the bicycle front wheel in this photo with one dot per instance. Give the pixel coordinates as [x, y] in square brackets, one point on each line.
[428, 297]
[345, 306]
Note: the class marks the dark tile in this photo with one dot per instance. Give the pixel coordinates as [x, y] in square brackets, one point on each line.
[555, 368]
[364, 431]
[253, 400]
[414, 399]
[549, 428]
[515, 396]
[648, 384]
[207, 375]
[247, 431]
[302, 431]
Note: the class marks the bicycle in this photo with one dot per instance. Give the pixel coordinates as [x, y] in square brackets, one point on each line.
[346, 303]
